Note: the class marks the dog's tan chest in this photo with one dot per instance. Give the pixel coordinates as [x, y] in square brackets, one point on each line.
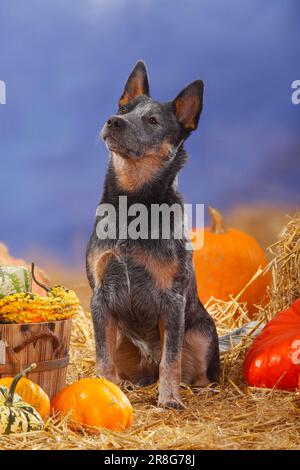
[162, 271]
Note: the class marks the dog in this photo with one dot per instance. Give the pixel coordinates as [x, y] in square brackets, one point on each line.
[149, 323]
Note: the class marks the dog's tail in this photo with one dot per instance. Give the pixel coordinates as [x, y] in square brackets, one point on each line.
[229, 341]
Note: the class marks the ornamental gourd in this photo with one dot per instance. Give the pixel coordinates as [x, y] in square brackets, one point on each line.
[227, 261]
[94, 402]
[273, 360]
[7, 260]
[25, 307]
[31, 393]
[15, 414]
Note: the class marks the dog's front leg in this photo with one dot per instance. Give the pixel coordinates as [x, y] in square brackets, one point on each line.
[105, 329]
[172, 333]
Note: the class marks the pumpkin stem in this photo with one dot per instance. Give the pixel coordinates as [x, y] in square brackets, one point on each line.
[10, 397]
[217, 222]
[43, 286]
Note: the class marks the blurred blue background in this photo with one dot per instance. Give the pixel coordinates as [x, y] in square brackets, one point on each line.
[65, 64]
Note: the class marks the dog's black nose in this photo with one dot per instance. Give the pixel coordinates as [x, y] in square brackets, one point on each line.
[115, 121]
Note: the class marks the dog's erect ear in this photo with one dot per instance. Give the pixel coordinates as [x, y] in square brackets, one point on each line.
[137, 84]
[188, 105]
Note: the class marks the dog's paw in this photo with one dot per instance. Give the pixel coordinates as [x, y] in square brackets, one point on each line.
[171, 404]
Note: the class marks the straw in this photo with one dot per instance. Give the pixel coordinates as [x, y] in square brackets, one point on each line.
[231, 415]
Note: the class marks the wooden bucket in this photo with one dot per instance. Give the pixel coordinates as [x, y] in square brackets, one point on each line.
[47, 344]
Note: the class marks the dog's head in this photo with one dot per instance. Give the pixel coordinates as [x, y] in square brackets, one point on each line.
[143, 127]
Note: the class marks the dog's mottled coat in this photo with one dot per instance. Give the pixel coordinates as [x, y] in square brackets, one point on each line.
[149, 323]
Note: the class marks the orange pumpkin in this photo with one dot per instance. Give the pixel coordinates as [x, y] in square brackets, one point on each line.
[94, 402]
[31, 393]
[227, 262]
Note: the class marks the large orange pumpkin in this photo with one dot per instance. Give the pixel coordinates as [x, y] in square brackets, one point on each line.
[227, 262]
[31, 393]
[94, 402]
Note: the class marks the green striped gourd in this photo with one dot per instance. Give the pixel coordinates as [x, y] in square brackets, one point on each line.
[16, 415]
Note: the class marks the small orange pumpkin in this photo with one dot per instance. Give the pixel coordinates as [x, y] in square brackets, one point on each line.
[227, 262]
[94, 402]
[31, 393]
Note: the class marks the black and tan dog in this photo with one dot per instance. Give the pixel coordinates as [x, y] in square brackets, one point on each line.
[149, 323]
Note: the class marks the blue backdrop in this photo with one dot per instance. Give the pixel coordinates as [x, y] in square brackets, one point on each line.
[65, 63]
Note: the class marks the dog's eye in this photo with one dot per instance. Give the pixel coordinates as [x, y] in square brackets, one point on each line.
[122, 110]
[153, 120]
